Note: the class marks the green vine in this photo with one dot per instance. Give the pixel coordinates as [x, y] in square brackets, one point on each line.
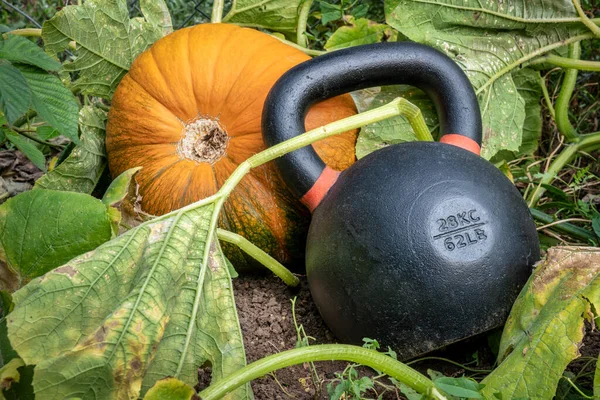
[561, 109]
[326, 352]
[301, 38]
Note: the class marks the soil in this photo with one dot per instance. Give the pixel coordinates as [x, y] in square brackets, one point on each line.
[265, 311]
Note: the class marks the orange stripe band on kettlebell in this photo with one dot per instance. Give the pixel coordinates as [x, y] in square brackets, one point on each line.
[462, 142]
[313, 197]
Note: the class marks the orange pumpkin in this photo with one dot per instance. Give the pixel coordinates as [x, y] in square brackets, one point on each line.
[189, 112]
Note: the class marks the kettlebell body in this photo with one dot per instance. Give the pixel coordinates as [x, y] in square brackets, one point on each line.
[423, 263]
[417, 245]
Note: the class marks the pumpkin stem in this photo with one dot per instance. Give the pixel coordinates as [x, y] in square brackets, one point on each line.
[203, 140]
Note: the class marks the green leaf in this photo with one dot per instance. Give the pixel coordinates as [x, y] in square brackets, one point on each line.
[15, 97]
[27, 147]
[526, 82]
[43, 229]
[546, 325]
[53, 101]
[170, 389]
[275, 15]
[107, 42]
[596, 225]
[361, 31]
[82, 169]
[397, 129]
[22, 50]
[459, 387]
[118, 189]
[7, 353]
[157, 14]
[154, 302]
[47, 132]
[330, 12]
[489, 41]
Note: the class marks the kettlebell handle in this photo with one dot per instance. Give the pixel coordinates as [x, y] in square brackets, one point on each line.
[361, 67]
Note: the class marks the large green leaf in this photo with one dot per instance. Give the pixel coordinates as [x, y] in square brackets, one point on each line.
[154, 302]
[22, 50]
[82, 169]
[52, 100]
[275, 15]
[360, 31]
[397, 129]
[42, 229]
[15, 97]
[489, 41]
[107, 42]
[546, 325]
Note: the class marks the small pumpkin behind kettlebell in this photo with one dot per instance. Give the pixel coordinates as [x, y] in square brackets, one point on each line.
[419, 244]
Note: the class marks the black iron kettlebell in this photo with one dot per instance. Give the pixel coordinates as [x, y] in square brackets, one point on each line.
[419, 244]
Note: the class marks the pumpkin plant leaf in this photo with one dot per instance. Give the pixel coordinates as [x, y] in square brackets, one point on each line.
[275, 15]
[27, 147]
[549, 314]
[82, 169]
[154, 302]
[15, 97]
[22, 50]
[157, 13]
[171, 389]
[52, 100]
[361, 31]
[526, 82]
[43, 229]
[396, 129]
[47, 132]
[107, 42]
[119, 188]
[490, 41]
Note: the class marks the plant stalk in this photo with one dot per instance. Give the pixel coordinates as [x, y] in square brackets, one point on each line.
[585, 20]
[399, 106]
[565, 62]
[564, 227]
[255, 252]
[542, 83]
[588, 142]
[301, 38]
[561, 109]
[326, 352]
[217, 11]
[27, 32]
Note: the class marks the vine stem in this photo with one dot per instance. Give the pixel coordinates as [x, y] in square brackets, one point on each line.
[588, 142]
[301, 38]
[326, 352]
[255, 252]
[561, 110]
[564, 62]
[27, 32]
[217, 11]
[585, 20]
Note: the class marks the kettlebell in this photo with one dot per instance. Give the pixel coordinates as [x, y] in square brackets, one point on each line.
[417, 245]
